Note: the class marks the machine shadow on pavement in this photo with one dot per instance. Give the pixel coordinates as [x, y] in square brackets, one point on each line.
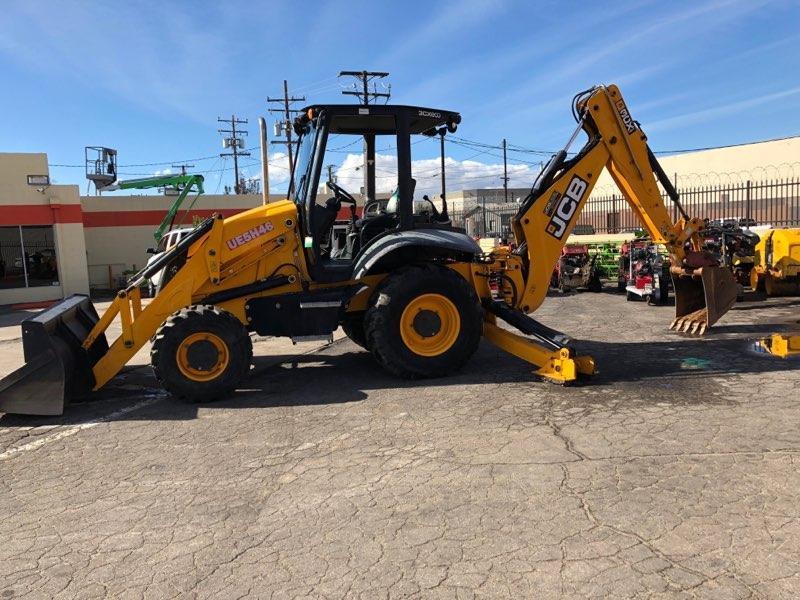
[329, 377]
[755, 301]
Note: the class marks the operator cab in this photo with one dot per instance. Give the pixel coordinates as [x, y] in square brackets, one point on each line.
[346, 151]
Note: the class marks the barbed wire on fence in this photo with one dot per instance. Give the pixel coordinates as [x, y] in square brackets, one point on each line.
[762, 173]
[771, 201]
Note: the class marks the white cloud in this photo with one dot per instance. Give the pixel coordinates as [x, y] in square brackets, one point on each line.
[459, 174]
[278, 170]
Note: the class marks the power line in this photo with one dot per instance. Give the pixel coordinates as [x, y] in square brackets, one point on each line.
[463, 142]
[219, 182]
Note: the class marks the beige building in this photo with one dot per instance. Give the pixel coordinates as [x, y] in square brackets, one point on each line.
[760, 161]
[119, 229]
[42, 250]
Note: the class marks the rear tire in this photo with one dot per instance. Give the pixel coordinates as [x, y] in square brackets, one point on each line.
[201, 353]
[424, 321]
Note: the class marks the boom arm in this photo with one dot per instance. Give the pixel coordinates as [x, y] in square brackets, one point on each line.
[549, 213]
[186, 183]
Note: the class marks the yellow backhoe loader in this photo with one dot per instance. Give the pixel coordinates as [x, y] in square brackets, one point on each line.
[776, 268]
[782, 346]
[408, 285]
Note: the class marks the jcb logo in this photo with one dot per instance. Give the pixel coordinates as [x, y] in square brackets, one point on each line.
[567, 207]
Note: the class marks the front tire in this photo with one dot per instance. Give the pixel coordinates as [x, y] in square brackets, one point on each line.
[424, 321]
[353, 327]
[201, 353]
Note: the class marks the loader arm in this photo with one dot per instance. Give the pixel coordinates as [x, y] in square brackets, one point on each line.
[547, 216]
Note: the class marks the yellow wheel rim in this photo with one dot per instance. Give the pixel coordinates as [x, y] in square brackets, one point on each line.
[202, 356]
[430, 324]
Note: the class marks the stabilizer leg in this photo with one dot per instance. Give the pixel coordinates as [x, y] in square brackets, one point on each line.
[560, 366]
[542, 346]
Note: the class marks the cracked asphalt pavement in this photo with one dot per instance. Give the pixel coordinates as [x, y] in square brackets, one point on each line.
[672, 474]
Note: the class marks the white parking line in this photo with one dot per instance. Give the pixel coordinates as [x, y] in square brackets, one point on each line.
[64, 433]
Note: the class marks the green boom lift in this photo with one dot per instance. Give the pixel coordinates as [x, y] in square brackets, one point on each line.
[185, 183]
[101, 169]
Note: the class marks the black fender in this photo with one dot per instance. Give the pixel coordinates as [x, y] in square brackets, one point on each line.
[404, 247]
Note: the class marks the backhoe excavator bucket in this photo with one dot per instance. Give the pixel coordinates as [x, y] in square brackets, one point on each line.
[56, 367]
[702, 297]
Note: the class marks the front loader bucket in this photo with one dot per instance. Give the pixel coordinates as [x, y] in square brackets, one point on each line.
[702, 297]
[56, 367]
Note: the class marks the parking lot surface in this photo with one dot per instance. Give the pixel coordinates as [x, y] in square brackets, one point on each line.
[673, 473]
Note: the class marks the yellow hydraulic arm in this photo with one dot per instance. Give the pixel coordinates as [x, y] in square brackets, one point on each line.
[703, 290]
[617, 143]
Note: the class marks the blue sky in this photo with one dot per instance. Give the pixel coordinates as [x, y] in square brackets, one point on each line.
[150, 78]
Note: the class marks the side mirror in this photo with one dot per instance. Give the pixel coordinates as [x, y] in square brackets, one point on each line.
[151, 251]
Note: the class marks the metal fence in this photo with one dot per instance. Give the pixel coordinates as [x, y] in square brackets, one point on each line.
[769, 202]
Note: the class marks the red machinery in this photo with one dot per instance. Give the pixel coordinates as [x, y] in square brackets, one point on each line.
[643, 271]
[576, 269]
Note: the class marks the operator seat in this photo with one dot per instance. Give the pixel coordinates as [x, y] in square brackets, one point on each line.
[322, 221]
[371, 227]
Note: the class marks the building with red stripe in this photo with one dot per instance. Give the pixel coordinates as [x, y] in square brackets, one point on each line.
[42, 248]
[119, 229]
[54, 242]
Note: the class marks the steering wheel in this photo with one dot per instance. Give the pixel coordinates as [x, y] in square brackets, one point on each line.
[341, 194]
[368, 207]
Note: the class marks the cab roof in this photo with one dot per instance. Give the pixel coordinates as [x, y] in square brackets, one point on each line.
[381, 119]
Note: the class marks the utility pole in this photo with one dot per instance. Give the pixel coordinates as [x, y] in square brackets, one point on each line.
[442, 133]
[365, 78]
[182, 168]
[175, 190]
[286, 125]
[505, 173]
[262, 130]
[235, 141]
[331, 176]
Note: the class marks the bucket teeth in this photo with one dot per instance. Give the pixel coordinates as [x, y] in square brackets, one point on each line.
[694, 323]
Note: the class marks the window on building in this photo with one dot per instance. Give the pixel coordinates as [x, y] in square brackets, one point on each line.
[27, 257]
